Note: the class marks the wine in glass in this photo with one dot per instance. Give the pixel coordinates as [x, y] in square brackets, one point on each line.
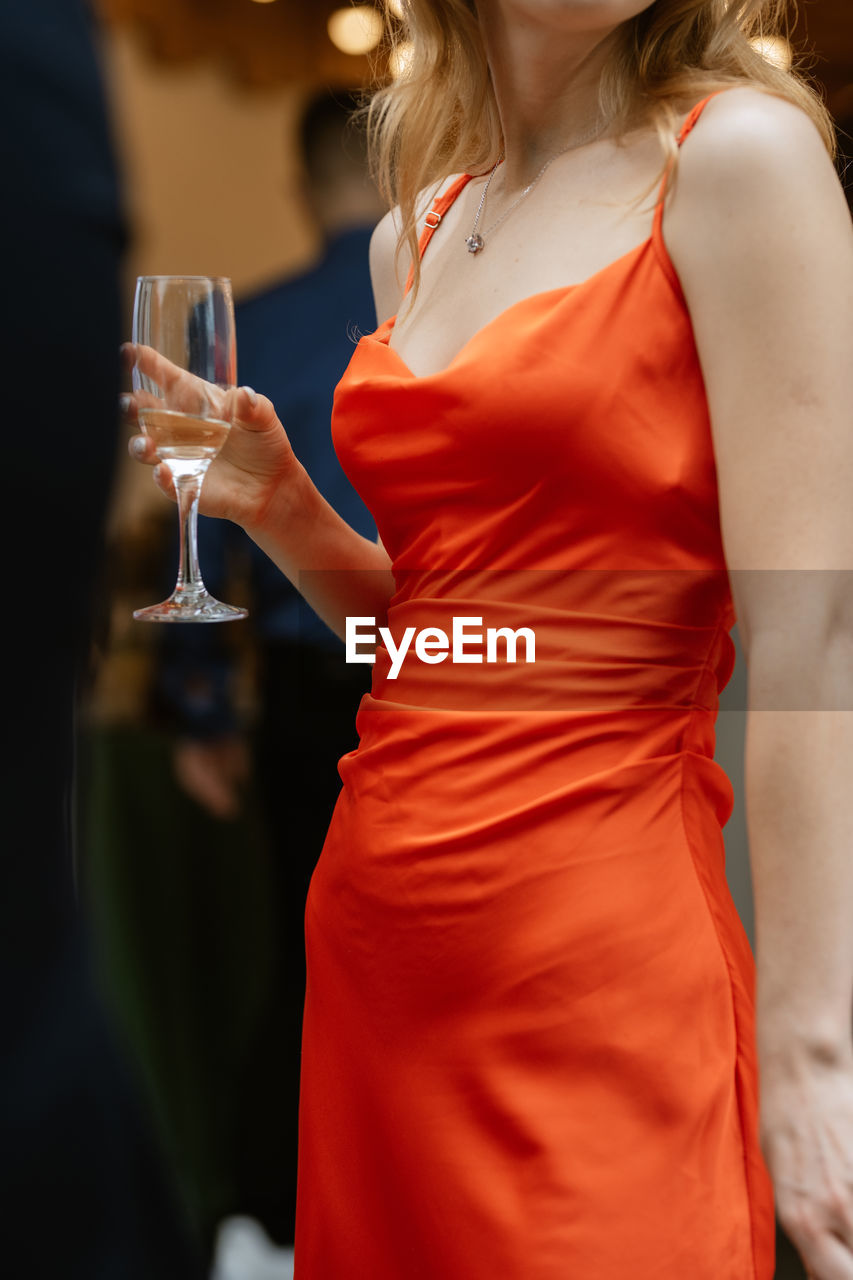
[185, 364]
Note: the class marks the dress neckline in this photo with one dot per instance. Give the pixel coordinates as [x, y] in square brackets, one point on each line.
[543, 296]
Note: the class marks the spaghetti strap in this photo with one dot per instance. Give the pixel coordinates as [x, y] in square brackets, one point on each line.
[694, 114]
[686, 127]
[439, 208]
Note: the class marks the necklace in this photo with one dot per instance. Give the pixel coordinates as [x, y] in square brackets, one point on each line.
[477, 240]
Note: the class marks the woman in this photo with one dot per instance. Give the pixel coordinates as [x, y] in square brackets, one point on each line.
[530, 1041]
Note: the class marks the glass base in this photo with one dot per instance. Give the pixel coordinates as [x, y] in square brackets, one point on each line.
[185, 606]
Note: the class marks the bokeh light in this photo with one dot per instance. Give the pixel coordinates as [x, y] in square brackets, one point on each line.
[356, 30]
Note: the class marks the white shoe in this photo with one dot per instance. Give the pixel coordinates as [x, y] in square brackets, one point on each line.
[244, 1251]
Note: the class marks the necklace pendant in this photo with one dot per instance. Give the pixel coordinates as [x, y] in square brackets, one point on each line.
[475, 243]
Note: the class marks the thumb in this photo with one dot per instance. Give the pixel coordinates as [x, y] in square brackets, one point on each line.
[252, 411]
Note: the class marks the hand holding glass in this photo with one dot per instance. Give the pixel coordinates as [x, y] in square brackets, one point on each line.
[185, 365]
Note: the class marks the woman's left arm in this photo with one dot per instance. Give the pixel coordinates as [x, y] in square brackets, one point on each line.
[760, 234]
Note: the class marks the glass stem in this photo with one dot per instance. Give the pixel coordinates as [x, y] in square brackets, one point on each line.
[188, 488]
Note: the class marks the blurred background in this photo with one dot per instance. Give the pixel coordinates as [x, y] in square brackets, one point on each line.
[206, 762]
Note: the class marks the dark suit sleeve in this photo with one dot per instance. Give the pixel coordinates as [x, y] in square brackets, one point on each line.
[81, 1190]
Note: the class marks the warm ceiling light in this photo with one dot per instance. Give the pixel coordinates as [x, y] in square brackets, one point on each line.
[263, 1]
[356, 30]
[775, 49]
[399, 59]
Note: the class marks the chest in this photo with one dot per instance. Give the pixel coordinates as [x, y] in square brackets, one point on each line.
[578, 415]
[569, 228]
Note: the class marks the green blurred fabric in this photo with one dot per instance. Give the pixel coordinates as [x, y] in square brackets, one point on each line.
[184, 919]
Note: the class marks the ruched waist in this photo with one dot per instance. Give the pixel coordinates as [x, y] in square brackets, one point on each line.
[613, 689]
[430, 760]
[470, 653]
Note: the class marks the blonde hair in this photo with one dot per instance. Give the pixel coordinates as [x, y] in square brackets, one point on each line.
[440, 115]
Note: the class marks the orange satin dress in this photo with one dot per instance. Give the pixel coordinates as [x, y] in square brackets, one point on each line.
[528, 1048]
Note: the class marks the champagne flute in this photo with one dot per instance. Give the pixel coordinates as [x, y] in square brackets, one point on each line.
[185, 365]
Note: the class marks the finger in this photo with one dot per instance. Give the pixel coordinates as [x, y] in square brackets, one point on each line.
[141, 449]
[827, 1257]
[131, 405]
[129, 409]
[154, 366]
[165, 481]
[250, 410]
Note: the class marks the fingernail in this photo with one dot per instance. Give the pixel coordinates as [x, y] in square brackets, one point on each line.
[253, 396]
[125, 403]
[139, 445]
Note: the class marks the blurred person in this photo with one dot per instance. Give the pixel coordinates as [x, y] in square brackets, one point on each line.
[294, 338]
[534, 1024]
[82, 1189]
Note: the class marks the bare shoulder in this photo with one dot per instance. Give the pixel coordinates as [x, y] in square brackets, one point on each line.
[746, 121]
[759, 232]
[751, 173]
[389, 278]
[387, 289]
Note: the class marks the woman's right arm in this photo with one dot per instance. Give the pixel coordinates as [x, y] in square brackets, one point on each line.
[338, 571]
[259, 483]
